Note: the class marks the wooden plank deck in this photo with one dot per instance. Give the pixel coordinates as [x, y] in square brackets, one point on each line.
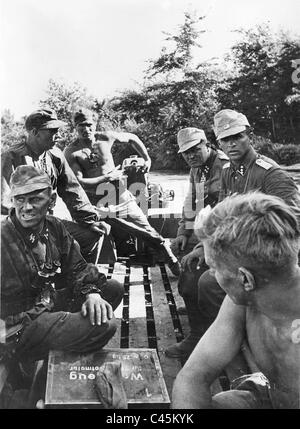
[147, 316]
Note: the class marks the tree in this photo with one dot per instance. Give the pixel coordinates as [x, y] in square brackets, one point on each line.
[12, 131]
[176, 94]
[180, 57]
[65, 99]
[261, 85]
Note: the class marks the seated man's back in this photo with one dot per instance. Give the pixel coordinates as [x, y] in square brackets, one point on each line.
[251, 244]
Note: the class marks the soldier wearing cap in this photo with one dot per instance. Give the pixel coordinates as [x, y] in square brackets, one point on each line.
[51, 298]
[204, 185]
[90, 157]
[39, 150]
[246, 171]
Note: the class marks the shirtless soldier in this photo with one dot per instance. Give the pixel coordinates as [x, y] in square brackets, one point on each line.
[91, 159]
[251, 244]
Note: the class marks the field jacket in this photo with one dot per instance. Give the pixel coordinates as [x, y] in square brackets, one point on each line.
[62, 178]
[19, 274]
[204, 188]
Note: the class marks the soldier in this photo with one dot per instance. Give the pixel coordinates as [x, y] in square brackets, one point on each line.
[39, 150]
[91, 159]
[51, 298]
[251, 243]
[204, 186]
[246, 171]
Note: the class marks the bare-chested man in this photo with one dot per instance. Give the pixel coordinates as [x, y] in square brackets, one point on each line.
[91, 159]
[251, 244]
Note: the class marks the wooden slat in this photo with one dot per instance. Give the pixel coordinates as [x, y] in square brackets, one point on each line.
[164, 329]
[137, 311]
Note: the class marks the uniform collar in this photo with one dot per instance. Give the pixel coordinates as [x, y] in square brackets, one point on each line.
[205, 168]
[30, 237]
[247, 162]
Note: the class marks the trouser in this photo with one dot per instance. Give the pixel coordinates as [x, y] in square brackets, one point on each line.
[86, 238]
[201, 293]
[62, 330]
[129, 218]
[254, 391]
[188, 289]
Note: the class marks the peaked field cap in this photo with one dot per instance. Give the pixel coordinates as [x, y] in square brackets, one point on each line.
[43, 119]
[26, 179]
[228, 122]
[189, 137]
[84, 116]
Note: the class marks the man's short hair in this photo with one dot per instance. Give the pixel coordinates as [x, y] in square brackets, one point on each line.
[258, 230]
[84, 116]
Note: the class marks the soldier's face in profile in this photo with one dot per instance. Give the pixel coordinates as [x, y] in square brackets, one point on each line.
[43, 139]
[236, 146]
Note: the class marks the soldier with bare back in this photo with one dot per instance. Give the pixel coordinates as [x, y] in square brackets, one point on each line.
[251, 243]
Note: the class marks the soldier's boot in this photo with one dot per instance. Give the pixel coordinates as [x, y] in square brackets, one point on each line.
[184, 348]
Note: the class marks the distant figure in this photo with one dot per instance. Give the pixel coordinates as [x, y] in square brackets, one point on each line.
[251, 243]
[91, 159]
[39, 150]
[204, 185]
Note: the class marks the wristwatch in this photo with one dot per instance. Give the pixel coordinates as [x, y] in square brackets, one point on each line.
[87, 289]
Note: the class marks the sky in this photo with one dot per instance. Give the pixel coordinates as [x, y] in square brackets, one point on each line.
[105, 44]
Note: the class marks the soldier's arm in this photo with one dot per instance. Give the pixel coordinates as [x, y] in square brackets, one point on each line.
[279, 183]
[186, 223]
[136, 143]
[71, 191]
[215, 350]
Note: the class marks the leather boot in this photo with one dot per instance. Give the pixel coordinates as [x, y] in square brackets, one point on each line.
[185, 347]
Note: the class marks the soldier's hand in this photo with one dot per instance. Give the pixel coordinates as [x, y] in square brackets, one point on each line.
[193, 260]
[115, 174]
[101, 227]
[180, 242]
[98, 310]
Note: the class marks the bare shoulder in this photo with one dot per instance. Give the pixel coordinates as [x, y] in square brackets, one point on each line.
[231, 312]
[106, 136]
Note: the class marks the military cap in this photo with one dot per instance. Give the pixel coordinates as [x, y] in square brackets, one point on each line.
[228, 122]
[26, 179]
[84, 116]
[43, 119]
[189, 137]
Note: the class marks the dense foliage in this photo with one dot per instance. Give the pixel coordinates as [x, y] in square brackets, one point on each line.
[259, 77]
